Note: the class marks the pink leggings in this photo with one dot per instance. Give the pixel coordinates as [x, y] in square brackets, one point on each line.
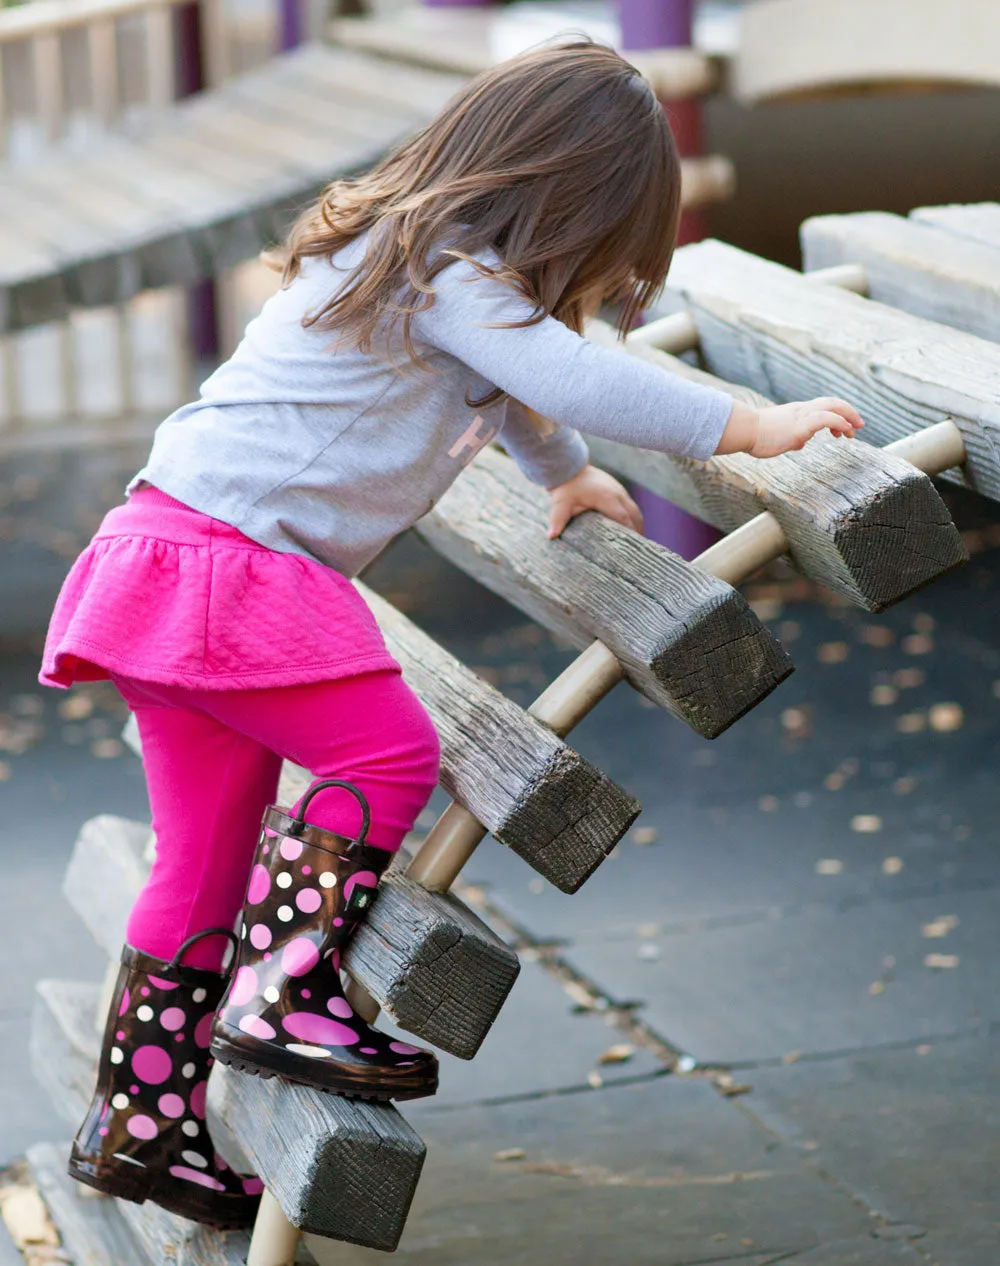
[212, 762]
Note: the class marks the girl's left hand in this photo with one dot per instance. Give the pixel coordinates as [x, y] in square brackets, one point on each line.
[592, 489]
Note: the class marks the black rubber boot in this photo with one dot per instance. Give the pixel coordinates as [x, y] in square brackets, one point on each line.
[144, 1136]
[285, 1012]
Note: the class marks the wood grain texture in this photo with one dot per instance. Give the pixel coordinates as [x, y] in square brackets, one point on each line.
[430, 962]
[90, 1226]
[770, 327]
[338, 1167]
[915, 266]
[687, 641]
[860, 521]
[64, 1047]
[139, 212]
[535, 794]
[977, 221]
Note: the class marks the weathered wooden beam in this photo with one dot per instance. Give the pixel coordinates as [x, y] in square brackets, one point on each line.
[977, 221]
[771, 328]
[432, 964]
[812, 46]
[861, 521]
[687, 641]
[535, 794]
[338, 1167]
[913, 265]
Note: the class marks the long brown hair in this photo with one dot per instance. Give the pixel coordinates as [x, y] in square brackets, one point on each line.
[560, 160]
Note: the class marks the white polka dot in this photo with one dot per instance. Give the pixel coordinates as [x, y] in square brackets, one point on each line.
[190, 1128]
[116, 1055]
[243, 932]
[189, 1070]
[327, 880]
[284, 880]
[119, 1102]
[271, 994]
[314, 1052]
[195, 1158]
[285, 913]
[199, 995]
[144, 1013]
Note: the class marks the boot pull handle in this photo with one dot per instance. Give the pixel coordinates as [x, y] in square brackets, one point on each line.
[183, 948]
[298, 823]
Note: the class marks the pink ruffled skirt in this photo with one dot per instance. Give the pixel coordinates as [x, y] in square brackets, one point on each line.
[164, 593]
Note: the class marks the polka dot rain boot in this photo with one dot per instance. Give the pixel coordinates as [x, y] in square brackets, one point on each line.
[145, 1136]
[285, 1013]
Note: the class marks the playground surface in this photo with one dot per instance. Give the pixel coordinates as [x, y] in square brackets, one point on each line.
[803, 918]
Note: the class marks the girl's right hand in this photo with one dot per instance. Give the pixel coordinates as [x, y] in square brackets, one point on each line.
[785, 428]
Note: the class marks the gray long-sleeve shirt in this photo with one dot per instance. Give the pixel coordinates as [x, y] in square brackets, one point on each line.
[315, 448]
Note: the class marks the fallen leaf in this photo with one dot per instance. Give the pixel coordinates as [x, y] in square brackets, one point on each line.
[829, 866]
[911, 723]
[924, 1050]
[903, 786]
[883, 696]
[941, 960]
[876, 987]
[595, 1080]
[730, 1086]
[832, 652]
[917, 644]
[834, 781]
[797, 722]
[645, 930]
[789, 630]
[946, 717]
[26, 1217]
[765, 608]
[877, 635]
[866, 823]
[909, 678]
[27, 705]
[892, 865]
[76, 707]
[511, 1154]
[644, 835]
[767, 804]
[792, 1057]
[619, 1054]
[536, 885]
[939, 927]
[649, 952]
[923, 622]
[106, 748]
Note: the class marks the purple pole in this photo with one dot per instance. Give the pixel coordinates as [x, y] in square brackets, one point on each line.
[290, 24]
[665, 24]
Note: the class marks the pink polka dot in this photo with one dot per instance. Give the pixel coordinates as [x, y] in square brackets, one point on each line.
[125, 1001]
[299, 956]
[369, 1050]
[260, 885]
[267, 956]
[338, 923]
[203, 1031]
[179, 1037]
[244, 987]
[172, 1019]
[260, 936]
[404, 1048]
[120, 1035]
[195, 1175]
[308, 900]
[317, 1028]
[151, 1064]
[144, 991]
[253, 1186]
[307, 870]
[257, 1027]
[133, 1090]
[266, 849]
[160, 983]
[198, 1099]
[290, 849]
[171, 1105]
[103, 1131]
[366, 878]
[141, 1127]
[307, 993]
[340, 1007]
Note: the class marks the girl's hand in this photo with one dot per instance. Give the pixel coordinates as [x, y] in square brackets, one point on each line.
[592, 489]
[785, 428]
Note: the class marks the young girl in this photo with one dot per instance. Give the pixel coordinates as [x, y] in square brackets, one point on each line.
[428, 308]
